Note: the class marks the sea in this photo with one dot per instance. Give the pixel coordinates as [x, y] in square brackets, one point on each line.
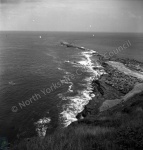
[44, 85]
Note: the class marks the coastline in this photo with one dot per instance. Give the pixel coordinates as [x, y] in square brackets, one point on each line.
[113, 113]
[78, 102]
[113, 85]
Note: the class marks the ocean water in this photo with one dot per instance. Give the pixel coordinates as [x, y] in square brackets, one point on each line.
[43, 85]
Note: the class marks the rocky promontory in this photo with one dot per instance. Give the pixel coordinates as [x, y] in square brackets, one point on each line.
[121, 86]
[112, 120]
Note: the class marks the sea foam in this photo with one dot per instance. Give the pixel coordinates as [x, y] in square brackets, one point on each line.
[42, 125]
[76, 103]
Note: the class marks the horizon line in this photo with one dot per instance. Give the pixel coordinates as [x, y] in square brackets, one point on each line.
[65, 31]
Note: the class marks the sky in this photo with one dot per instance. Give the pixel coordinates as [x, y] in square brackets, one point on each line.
[72, 15]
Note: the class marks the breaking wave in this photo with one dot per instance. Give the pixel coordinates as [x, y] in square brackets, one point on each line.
[76, 103]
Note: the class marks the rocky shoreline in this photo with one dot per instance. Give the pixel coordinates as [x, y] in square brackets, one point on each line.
[110, 90]
[113, 118]
[115, 91]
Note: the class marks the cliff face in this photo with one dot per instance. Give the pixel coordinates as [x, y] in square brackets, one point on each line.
[117, 107]
[116, 91]
[120, 85]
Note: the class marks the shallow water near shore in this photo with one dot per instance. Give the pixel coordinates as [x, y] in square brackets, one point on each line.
[30, 64]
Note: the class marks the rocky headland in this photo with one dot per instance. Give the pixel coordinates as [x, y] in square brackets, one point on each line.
[112, 120]
[117, 90]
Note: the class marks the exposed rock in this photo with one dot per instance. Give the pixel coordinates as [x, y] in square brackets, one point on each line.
[114, 91]
[121, 67]
[73, 46]
[109, 104]
[138, 88]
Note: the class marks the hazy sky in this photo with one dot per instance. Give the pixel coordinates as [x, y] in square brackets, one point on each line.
[72, 15]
